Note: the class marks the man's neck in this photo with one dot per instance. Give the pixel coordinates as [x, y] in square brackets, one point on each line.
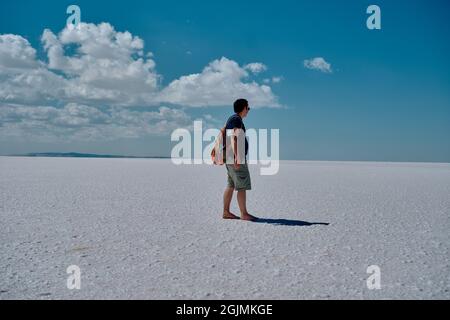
[240, 115]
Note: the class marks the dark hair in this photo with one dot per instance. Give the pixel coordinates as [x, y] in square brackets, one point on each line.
[240, 105]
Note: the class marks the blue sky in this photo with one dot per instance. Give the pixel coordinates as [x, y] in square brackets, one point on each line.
[386, 99]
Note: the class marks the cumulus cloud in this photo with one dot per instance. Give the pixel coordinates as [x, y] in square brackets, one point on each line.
[23, 78]
[16, 53]
[75, 122]
[95, 64]
[92, 72]
[318, 64]
[277, 79]
[109, 66]
[220, 83]
[256, 67]
[273, 80]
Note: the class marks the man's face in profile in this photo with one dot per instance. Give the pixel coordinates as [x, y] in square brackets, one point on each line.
[245, 111]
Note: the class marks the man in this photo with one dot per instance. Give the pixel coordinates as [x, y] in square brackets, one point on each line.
[238, 174]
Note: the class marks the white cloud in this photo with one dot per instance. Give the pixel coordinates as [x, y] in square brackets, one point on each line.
[95, 64]
[277, 79]
[92, 72]
[319, 64]
[273, 80]
[23, 78]
[75, 122]
[108, 66]
[255, 67]
[219, 84]
[16, 52]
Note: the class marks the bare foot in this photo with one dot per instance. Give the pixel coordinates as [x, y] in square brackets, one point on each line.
[248, 217]
[229, 215]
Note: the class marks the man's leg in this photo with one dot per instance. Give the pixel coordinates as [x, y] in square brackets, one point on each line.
[227, 196]
[242, 201]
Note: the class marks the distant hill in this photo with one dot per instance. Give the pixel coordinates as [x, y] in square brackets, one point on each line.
[79, 155]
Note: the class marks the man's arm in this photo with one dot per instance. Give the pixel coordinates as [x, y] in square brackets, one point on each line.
[235, 149]
[237, 154]
[237, 125]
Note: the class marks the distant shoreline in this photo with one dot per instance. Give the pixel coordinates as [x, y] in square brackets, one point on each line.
[110, 156]
[82, 155]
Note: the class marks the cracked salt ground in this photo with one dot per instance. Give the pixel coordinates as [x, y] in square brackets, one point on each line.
[143, 228]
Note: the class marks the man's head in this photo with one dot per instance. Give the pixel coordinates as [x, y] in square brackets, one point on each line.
[241, 107]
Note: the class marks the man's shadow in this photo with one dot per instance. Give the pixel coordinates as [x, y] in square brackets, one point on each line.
[287, 222]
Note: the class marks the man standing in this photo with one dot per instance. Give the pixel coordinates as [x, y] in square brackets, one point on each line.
[238, 174]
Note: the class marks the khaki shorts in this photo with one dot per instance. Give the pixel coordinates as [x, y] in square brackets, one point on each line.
[239, 179]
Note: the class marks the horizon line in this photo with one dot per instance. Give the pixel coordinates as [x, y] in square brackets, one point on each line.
[112, 156]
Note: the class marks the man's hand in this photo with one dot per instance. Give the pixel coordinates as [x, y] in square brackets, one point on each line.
[236, 165]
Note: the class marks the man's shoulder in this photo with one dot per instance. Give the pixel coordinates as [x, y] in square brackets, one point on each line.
[234, 116]
[234, 121]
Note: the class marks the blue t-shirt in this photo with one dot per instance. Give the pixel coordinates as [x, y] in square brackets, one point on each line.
[235, 121]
